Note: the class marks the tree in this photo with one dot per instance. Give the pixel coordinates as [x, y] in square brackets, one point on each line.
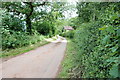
[25, 8]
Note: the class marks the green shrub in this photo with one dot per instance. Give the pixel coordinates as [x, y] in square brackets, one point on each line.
[97, 51]
[18, 39]
[45, 28]
[68, 34]
[97, 41]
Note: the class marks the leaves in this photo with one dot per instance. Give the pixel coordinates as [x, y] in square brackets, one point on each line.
[97, 40]
[106, 39]
[114, 71]
[17, 39]
[114, 49]
[103, 28]
[110, 29]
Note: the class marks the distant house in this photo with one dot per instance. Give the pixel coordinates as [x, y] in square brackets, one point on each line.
[67, 28]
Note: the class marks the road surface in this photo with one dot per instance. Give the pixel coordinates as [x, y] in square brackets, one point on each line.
[43, 62]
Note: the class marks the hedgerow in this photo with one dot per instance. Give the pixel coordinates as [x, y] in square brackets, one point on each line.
[97, 51]
[18, 39]
[97, 40]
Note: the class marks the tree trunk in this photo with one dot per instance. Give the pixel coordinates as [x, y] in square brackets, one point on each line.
[28, 18]
[29, 14]
[28, 24]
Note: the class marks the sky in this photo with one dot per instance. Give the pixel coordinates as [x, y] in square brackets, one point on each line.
[71, 13]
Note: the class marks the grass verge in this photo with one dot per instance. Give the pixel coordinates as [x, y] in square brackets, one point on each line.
[18, 51]
[68, 62]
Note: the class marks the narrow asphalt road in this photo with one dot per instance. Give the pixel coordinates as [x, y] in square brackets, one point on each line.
[43, 62]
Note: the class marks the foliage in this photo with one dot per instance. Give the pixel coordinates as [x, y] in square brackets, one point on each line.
[68, 34]
[97, 41]
[22, 10]
[21, 50]
[74, 22]
[99, 47]
[25, 23]
[69, 62]
[27, 13]
[45, 28]
[12, 23]
[13, 39]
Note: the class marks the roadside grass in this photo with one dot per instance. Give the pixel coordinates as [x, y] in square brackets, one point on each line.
[69, 60]
[18, 51]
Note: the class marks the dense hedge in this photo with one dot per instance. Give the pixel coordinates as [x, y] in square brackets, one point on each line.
[12, 39]
[97, 49]
[97, 41]
[68, 34]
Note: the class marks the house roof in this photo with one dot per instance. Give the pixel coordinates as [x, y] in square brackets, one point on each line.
[68, 28]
